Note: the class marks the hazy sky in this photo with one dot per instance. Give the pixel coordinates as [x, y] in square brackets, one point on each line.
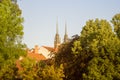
[40, 17]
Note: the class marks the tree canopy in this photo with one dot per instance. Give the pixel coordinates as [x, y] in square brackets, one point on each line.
[95, 54]
[92, 55]
[116, 23]
[11, 32]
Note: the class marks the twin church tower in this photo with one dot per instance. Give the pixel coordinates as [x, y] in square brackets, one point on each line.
[57, 40]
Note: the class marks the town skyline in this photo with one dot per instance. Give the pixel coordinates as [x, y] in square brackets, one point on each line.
[59, 40]
[40, 18]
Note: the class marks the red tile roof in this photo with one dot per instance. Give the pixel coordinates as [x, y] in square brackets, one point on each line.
[50, 48]
[36, 56]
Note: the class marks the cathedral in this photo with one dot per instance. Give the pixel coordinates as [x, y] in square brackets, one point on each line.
[44, 52]
[57, 40]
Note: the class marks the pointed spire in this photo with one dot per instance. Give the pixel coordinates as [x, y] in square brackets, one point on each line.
[65, 36]
[57, 26]
[57, 37]
[65, 28]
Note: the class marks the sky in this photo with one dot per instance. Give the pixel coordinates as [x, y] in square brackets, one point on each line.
[40, 17]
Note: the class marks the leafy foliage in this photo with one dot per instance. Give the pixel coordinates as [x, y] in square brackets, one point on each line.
[102, 48]
[52, 73]
[11, 29]
[116, 22]
[8, 70]
[95, 54]
[11, 32]
[29, 71]
[39, 71]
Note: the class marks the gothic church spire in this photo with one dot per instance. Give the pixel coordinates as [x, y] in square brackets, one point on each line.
[57, 37]
[65, 36]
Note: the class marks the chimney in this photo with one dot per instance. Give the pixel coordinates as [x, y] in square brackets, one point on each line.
[36, 48]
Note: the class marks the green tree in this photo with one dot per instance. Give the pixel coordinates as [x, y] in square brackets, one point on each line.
[11, 29]
[116, 23]
[94, 55]
[29, 69]
[52, 73]
[11, 32]
[8, 70]
[33, 70]
[66, 57]
[102, 47]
